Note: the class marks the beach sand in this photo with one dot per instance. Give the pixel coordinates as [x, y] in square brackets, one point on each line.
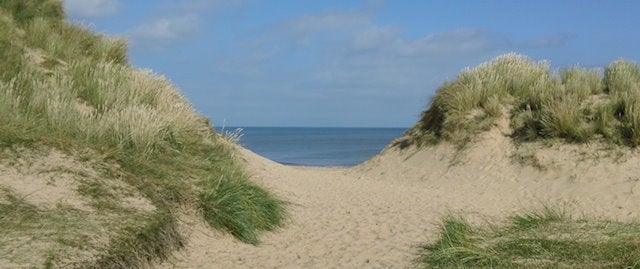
[377, 214]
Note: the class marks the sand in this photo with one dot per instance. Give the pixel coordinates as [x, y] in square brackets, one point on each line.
[377, 214]
[337, 221]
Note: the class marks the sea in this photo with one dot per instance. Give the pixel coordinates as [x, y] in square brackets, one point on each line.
[316, 146]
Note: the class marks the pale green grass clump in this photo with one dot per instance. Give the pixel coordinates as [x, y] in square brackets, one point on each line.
[64, 236]
[543, 239]
[64, 87]
[577, 105]
[471, 103]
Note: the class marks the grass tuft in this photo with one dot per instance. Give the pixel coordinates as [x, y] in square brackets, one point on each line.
[25, 11]
[537, 218]
[540, 239]
[138, 247]
[579, 105]
[457, 246]
[241, 208]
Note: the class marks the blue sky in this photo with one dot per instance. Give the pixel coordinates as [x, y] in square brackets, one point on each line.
[348, 63]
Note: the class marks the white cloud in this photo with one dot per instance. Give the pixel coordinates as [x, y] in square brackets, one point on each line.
[345, 56]
[320, 27]
[352, 32]
[345, 53]
[178, 21]
[353, 53]
[165, 31]
[91, 8]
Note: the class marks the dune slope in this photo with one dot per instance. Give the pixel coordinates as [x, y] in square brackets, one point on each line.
[96, 156]
[377, 214]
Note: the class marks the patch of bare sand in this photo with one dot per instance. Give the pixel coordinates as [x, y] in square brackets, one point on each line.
[377, 214]
[48, 178]
[44, 178]
[337, 221]
[47, 219]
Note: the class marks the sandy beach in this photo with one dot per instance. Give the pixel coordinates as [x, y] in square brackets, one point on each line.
[515, 161]
[377, 214]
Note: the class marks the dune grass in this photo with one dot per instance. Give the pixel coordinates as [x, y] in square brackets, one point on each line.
[241, 208]
[61, 236]
[542, 239]
[575, 104]
[65, 87]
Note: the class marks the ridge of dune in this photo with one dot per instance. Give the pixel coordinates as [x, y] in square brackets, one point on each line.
[377, 214]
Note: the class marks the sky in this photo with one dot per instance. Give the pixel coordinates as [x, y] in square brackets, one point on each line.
[340, 63]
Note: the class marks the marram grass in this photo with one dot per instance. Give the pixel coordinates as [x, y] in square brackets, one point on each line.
[541, 239]
[65, 87]
[241, 208]
[577, 105]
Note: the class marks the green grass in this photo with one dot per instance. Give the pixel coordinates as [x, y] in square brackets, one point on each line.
[542, 239]
[241, 208]
[67, 88]
[138, 246]
[577, 105]
[60, 236]
[25, 11]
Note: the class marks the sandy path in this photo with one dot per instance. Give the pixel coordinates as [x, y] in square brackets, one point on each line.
[377, 215]
[337, 221]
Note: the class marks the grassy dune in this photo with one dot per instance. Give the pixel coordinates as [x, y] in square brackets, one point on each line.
[66, 89]
[575, 104]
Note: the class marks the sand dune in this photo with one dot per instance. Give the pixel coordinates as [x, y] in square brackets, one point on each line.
[377, 214]
[337, 221]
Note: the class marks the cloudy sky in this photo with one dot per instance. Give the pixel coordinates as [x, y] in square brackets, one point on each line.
[348, 63]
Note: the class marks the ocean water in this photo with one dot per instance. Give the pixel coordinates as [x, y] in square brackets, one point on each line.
[317, 146]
